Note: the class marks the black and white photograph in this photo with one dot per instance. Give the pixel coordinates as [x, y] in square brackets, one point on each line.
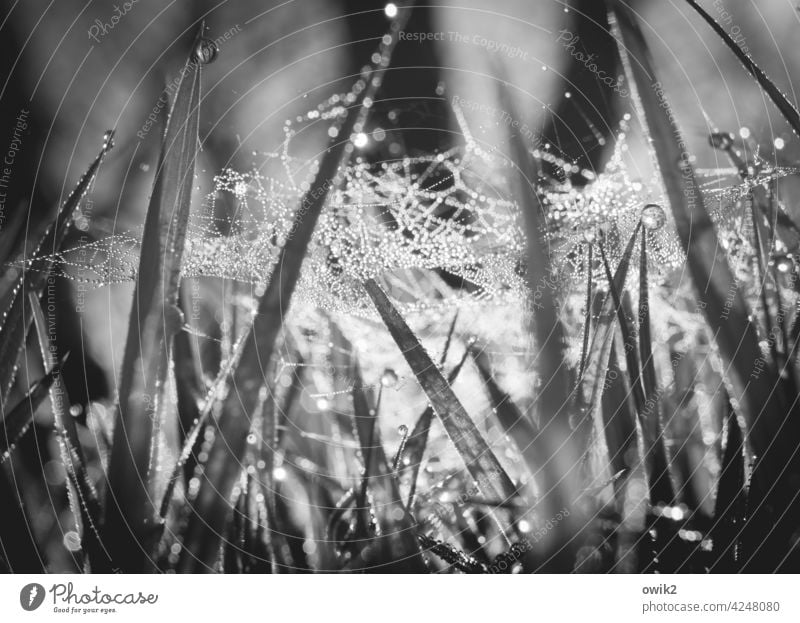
[345, 287]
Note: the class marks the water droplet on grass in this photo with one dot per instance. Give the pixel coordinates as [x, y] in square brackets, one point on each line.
[389, 378]
[653, 217]
[205, 51]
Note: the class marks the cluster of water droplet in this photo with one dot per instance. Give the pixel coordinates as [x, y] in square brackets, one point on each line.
[421, 223]
[608, 211]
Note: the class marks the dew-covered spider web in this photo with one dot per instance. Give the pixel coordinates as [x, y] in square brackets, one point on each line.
[441, 228]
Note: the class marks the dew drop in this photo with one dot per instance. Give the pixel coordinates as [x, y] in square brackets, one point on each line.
[389, 378]
[653, 217]
[721, 140]
[403, 430]
[72, 541]
[108, 140]
[205, 51]
[783, 263]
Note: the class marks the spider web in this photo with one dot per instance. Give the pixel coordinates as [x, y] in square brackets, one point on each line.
[440, 228]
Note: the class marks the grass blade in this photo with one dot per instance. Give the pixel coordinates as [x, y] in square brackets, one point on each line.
[598, 355]
[587, 323]
[655, 456]
[766, 400]
[130, 522]
[662, 483]
[619, 422]
[82, 493]
[189, 385]
[17, 319]
[396, 548]
[730, 506]
[774, 93]
[513, 422]
[12, 238]
[483, 466]
[19, 419]
[418, 439]
[560, 472]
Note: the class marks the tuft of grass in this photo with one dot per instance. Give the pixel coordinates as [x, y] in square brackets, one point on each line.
[82, 494]
[394, 548]
[492, 480]
[131, 520]
[763, 388]
[655, 457]
[16, 322]
[414, 448]
[210, 508]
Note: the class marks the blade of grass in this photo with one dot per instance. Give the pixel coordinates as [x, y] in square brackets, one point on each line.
[655, 457]
[131, 514]
[16, 321]
[724, 305]
[560, 472]
[629, 338]
[492, 480]
[602, 340]
[418, 439]
[396, 548]
[660, 461]
[730, 505]
[81, 490]
[768, 406]
[19, 419]
[452, 556]
[12, 238]
[516, 425]
[619, 423]
[779, 99]
[587, 323]
[780, 223]
[193, 440]
[189, 386]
